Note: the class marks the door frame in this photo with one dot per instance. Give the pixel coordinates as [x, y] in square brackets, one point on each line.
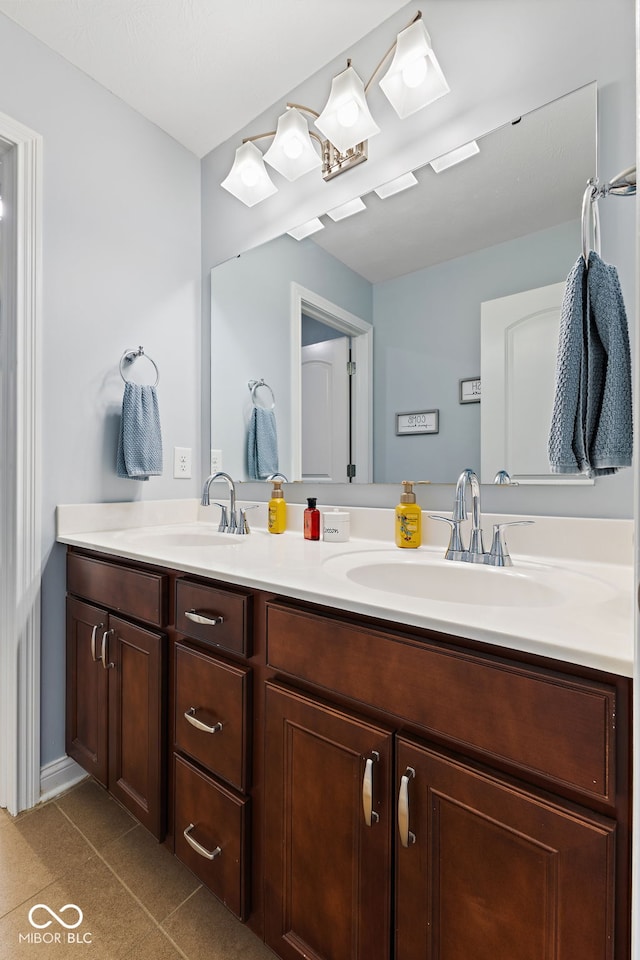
[20, 438]
[361, 333]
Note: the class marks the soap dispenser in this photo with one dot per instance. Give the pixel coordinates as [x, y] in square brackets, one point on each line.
[277, 522]
[408, 518]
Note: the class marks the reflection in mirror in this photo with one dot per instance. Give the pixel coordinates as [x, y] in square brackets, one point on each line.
[417, 266]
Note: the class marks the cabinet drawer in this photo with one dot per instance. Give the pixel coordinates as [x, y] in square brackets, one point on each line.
[215, 820]
[136, 593]
[538, 721]
[214, 694]
[227, 611]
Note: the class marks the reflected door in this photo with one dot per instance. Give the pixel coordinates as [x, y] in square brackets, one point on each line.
[325, 410]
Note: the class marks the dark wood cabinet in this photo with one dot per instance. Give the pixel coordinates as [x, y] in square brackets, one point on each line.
[328, 836]
[116, 697]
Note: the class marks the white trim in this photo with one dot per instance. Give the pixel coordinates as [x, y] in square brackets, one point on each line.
[20, 550]
[361, 333]
[58, 776]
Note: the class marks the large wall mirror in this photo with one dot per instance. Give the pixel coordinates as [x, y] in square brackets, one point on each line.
[399, 288]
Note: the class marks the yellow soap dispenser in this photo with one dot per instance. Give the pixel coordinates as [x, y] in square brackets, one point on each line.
[408, 518]
[277, 522]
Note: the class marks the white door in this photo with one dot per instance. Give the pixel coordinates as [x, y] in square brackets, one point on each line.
[325, 410]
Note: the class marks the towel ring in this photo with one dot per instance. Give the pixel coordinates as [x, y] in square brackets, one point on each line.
[254, 385]
[129, 356]
[590, 220]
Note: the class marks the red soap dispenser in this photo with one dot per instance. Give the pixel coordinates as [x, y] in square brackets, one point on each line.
[311, 520]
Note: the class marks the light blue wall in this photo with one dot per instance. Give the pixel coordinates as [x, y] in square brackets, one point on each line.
[427, 338]
[121, 263]
[251, 317]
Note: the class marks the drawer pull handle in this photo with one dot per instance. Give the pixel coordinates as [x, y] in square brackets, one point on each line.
[207, 854]
[190, 715]
[96, 627]
[103, 655]
[370, 816]
[406, 836]
[198, 618]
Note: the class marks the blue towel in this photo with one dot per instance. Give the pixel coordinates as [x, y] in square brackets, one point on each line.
[140, 440]
[262, 444]
[591, 425]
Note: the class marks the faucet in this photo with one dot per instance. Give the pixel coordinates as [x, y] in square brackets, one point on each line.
[475, 553]
[229, 525]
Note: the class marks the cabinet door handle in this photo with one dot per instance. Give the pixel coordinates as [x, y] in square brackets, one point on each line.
[96, 627]
[207, 854]
[370, 816]
[406, 836]
[190, 715]
[103, 655]
[198, 618]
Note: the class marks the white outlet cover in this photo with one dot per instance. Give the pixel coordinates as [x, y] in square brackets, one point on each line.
[182, 463]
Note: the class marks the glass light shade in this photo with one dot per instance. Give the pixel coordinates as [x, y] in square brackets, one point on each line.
[414, 78]
[248, 179]
[306, 229]
[347, 209]
[455, 156]
[291, 152]
[346, 120]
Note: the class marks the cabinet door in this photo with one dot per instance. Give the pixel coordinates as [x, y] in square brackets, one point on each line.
[493, 872]
[327, 870]
[87, 686]
[137, 721]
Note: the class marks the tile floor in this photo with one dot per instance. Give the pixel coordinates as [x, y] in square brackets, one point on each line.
[138, 901]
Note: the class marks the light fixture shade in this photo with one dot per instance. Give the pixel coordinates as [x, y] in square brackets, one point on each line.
[346, 120]
[248, 179]
[414, 78]
[291, 152]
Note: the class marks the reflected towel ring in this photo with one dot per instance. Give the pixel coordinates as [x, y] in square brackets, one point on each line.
[254, 385]
[129, 356]
[590, 220]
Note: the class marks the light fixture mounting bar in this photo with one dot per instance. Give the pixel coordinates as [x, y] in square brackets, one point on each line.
[335, 163]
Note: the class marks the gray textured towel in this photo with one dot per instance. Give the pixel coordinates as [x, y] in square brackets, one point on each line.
[591, 425]
[262, 444]
[140, 441]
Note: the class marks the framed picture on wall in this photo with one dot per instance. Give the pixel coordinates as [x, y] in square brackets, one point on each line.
[422, 421]
[470, 390]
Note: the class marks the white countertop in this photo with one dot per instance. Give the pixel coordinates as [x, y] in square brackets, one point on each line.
[588, 621]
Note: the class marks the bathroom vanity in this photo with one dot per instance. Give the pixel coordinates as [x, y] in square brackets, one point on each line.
[351, 785]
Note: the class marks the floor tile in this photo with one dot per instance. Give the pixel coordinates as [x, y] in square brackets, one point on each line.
[36, 849]
[154, 875]
[112, 926]
[205, 930]
[96, 814]
[156, 946]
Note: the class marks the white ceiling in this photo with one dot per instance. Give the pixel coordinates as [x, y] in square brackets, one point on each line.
[199, 69]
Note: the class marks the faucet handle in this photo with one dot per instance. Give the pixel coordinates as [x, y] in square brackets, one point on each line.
[224, 523]
[243, 524]
[455, 550]
[498, 556]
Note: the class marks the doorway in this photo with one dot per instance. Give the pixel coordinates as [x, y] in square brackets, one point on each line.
[20, 541]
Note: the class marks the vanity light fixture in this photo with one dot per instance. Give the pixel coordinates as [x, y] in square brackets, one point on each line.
[455, 156]
[346, 209]
[413, 80]
[396, 186]
[306, 229]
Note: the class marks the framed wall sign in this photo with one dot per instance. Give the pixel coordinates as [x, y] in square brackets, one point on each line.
[470, 390]
[423, 421]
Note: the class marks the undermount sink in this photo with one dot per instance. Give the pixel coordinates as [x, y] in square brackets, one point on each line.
[428, 577]
[185, 535]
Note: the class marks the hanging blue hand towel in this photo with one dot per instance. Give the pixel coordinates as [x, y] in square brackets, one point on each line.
[262, 444]
[591, 425]
[140, 440]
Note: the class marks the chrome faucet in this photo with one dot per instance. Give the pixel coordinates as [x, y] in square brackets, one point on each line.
[475, 553]
[228, 523]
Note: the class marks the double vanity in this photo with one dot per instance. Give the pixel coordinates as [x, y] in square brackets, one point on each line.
[365, 752]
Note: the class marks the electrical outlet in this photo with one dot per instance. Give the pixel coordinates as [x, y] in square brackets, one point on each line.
[216, 460]
[182, 463]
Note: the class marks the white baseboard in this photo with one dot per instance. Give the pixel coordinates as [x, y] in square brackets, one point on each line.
[58, 776]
